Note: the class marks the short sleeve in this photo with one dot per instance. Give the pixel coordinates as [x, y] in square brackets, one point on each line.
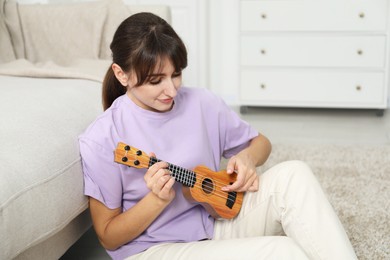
[236, 133]
[102, 176]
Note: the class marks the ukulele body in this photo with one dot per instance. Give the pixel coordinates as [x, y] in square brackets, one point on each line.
[207, 191]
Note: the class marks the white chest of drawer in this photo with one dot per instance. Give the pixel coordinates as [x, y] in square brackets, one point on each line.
[313, 15]
[318, 88]
[314, 53]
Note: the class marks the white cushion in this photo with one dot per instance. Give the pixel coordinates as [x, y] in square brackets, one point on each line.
[13, 24]
[117, 12]
[6, 49]
[62, 32]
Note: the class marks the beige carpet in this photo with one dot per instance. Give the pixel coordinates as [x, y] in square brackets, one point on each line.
[357, 182]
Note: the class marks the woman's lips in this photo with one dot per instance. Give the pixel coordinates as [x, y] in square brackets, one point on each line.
[166, 100]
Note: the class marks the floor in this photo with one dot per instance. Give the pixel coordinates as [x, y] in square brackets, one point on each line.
[336, 126]
[321, 125]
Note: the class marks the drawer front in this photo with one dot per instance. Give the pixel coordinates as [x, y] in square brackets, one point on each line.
[314, 51]
[307, 15]
[312, 88]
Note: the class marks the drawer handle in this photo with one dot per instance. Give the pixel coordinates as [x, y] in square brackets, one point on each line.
[358, 88]
[263, 16]
[362, 15]
[262, 86]
[360, 52]
[263, 51]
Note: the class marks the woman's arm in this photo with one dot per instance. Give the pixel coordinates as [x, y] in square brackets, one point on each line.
[115, 228]
[245, 163]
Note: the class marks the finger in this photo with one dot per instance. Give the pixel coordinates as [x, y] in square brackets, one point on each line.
[160, 174]
[167, 192]
[153, 175]
[163, 177]
[155, 168]
[253, 188]
[168, 185]
[159, 165]
[251, 184]
[240, 181]
[159, 183]
[231, 165]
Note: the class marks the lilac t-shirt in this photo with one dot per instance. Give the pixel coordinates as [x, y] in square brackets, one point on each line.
[199, 130]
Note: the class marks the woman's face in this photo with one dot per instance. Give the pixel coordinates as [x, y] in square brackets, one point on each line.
[158, 92]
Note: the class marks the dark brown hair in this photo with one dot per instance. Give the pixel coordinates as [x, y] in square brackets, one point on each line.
[139, 45]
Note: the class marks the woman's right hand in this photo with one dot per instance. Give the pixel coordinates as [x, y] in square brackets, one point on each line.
[116, 227]
[158, 179]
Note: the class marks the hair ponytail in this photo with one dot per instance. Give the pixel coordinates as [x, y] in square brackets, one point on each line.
[112, 89]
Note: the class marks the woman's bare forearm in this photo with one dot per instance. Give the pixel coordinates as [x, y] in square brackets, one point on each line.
[115, 228]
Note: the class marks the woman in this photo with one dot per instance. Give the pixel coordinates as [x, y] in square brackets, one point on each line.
[142, 214]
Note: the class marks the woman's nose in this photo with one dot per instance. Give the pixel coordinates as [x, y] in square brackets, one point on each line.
[170, 88]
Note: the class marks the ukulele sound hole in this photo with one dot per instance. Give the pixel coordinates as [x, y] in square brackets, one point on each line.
[207, 185]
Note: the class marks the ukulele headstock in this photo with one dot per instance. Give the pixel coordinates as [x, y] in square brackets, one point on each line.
[131, 156]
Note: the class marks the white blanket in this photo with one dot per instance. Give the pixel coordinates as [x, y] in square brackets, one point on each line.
[79, 69]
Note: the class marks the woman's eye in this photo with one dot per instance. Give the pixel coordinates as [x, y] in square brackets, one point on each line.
[176, 74]
[155, 81]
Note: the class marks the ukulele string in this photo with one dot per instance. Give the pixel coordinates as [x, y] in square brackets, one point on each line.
[188, 175]
[217, 183]
[208, 189]
[181, 169]
[217, 192]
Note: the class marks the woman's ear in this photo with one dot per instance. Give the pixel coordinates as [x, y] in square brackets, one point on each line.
[120, 75]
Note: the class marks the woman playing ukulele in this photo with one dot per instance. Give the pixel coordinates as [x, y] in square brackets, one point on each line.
[141, 213]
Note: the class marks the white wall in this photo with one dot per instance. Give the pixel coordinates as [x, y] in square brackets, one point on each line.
[224, 48]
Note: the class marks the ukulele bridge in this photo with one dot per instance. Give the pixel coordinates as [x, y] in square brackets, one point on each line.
[232, 195]
[231, 198]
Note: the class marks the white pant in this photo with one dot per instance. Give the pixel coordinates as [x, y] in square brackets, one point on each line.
[288, 218]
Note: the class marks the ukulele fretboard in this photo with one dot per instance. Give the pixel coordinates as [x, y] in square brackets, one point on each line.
[182, 175]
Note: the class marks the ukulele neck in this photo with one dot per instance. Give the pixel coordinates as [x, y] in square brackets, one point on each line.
[182, 175]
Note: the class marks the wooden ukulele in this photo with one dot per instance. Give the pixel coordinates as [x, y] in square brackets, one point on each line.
[201, 184]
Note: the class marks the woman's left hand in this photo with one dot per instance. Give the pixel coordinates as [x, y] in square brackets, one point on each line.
[245, 162]
[247, 179]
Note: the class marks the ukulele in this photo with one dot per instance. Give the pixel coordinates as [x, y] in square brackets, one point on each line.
[200, 185]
